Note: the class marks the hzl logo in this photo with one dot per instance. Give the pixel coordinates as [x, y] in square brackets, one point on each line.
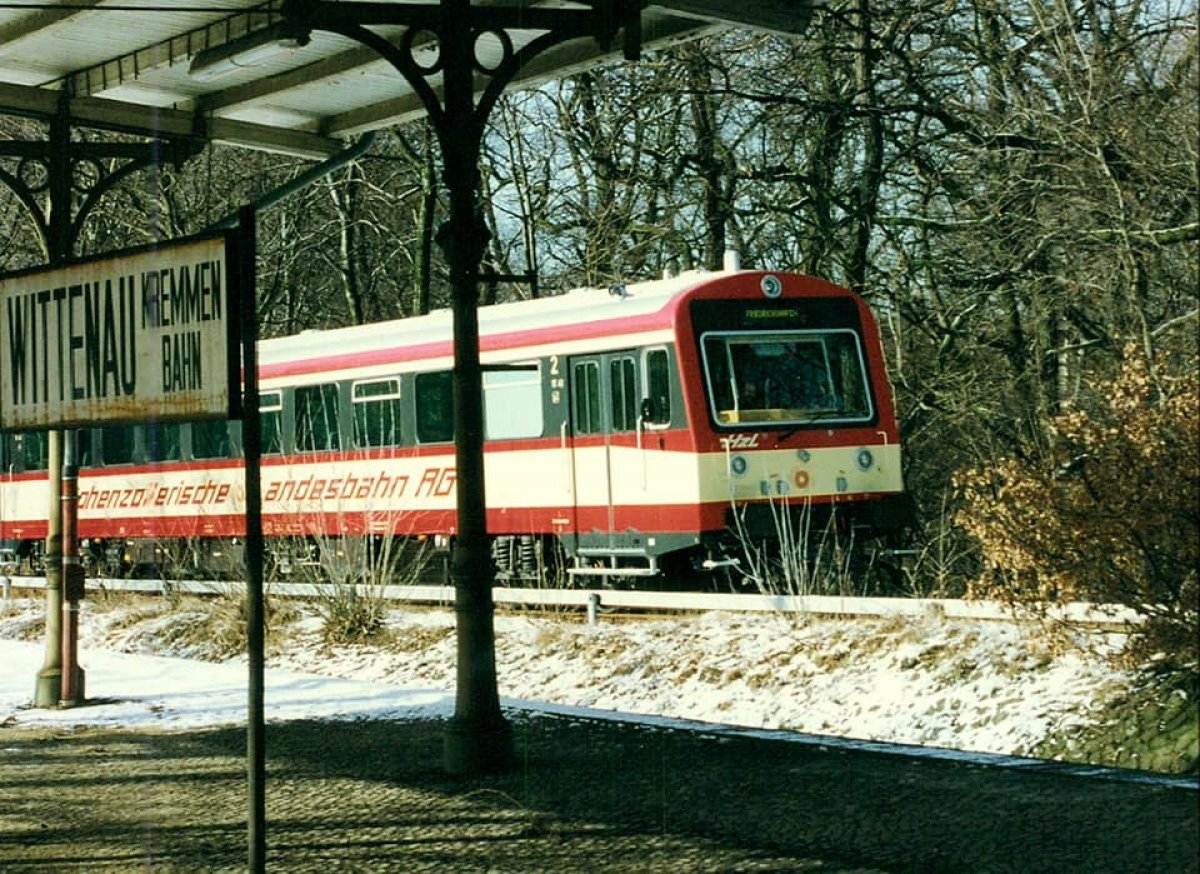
[740, 441]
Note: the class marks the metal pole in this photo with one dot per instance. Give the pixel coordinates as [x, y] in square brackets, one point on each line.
[252, 451]
[57, 240]
[478, 737]
[72, 576]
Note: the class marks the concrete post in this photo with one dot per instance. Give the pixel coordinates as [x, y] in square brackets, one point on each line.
[48, 690]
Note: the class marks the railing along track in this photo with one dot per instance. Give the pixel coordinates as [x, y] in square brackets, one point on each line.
[597, 601]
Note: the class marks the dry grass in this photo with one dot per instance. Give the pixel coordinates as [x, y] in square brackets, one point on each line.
[215, 628]
[417, 638]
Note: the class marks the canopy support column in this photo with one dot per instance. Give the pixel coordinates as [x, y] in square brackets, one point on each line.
[444, 40]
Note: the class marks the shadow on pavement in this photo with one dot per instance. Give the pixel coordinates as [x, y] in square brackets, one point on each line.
[587, 795]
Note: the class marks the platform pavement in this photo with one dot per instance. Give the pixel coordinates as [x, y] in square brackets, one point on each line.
[586, 795]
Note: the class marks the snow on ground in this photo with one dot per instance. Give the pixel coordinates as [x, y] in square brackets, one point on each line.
[978, 686]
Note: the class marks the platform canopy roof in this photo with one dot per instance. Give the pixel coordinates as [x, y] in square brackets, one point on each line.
[225, 70]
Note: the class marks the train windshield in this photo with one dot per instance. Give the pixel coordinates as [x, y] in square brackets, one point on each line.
[786, 377]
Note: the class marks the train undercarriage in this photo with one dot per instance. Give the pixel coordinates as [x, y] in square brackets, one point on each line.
[820, 550]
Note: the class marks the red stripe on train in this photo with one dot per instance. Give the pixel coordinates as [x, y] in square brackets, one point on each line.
[672, 518]
[487, 343]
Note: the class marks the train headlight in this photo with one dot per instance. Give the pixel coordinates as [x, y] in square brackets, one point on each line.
[771, 286]
[864, 459]
[738, 465]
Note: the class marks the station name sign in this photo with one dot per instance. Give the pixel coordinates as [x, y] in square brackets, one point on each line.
[140, 335]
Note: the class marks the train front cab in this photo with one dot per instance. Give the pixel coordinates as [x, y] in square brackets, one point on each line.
[792, 413]
[679, 450]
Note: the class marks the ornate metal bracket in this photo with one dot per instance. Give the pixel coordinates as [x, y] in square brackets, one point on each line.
[462, 44]
[59, 180]
[449, 53]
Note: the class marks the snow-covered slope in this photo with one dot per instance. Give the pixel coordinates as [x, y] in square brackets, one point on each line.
[980, 686]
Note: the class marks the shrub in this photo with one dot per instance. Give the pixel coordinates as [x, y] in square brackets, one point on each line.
[352, 614]
[1111, 516]
[354, 571]
[805, 556]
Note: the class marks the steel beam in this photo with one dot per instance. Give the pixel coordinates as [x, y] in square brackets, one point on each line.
[155, 121]
[776, 16]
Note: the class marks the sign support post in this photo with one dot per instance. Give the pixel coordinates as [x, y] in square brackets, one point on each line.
[252, 451]
[72, 692]
[58, 241]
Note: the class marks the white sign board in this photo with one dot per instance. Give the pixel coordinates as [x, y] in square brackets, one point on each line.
[146, 334]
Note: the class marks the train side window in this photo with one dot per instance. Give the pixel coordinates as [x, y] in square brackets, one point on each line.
[27, 450]
[512, 403]
[270, 411]
[210, 439]
[656, 405]
[36, 450]
[83, 447]
[848, 374]
[435, 406]
[376, 406]
[163, 442]
[585, 388]
[118, 444]
[622, 374]
[317, 418]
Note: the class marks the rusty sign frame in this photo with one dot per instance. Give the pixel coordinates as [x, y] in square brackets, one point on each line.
[143, 334]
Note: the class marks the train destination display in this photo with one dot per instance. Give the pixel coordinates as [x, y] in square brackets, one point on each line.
[143, 334]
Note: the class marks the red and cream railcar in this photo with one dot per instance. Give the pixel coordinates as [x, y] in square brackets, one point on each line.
[636, 426]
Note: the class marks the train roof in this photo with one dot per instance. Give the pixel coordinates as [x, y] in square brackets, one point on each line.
[580, 306]
[579, 316]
